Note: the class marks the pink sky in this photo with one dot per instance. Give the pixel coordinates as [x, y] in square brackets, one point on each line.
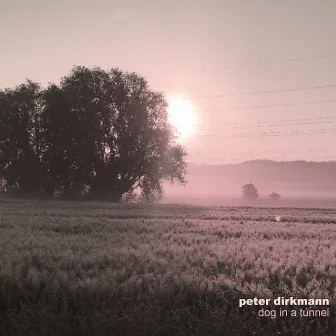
[191, 48]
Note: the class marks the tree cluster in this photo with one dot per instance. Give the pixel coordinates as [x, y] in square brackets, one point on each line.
[99, 134]
[251, 192]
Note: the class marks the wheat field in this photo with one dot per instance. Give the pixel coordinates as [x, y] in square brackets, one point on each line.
[75, 268]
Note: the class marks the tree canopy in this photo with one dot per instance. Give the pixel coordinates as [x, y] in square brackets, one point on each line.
[99, 134]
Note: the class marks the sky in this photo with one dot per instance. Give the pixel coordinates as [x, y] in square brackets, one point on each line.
[197, 49]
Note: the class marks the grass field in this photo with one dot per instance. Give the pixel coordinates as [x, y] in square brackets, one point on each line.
[101, 269]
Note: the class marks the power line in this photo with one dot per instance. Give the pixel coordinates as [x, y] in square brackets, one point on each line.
[303, 88]
[286, 125]
[272, 134]
[297, 119]
[269, 122]
[273, 123]
[258, 63]
[232, 160]
[332, 101]
[266, 154]
[270, 151]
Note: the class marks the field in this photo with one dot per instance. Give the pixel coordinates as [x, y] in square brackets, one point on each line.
[101, 269]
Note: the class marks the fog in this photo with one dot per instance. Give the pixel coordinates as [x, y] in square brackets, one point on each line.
[298, 181]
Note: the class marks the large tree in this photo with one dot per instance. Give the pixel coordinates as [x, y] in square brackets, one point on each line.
[104, 133]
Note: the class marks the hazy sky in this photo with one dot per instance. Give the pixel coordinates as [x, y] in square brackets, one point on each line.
[196, 48]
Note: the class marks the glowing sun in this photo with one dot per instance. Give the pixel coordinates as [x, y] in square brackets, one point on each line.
[182, 117]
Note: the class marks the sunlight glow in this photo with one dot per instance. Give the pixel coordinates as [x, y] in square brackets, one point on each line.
[182, 117]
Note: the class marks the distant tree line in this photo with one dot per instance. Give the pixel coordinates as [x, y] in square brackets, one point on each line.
[98, 134]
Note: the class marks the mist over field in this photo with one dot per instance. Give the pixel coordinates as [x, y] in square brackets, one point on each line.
[296, 181]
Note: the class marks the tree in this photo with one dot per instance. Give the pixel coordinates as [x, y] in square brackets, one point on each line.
[99, 133]
[274, 196]
[21, 138]
[250, 191]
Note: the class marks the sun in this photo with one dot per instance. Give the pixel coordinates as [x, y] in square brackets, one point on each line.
[182, 116]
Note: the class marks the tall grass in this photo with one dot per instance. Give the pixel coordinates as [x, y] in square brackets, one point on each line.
[100, 269]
